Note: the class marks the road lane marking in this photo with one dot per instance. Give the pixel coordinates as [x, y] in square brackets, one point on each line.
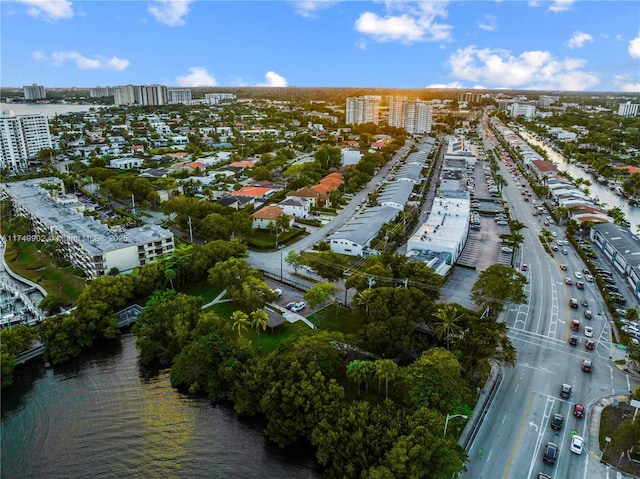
[518, 437]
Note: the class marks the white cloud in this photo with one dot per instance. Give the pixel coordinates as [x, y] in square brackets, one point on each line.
[273, 79]
[416, 22]
[634, 47]
[361, 44]
[561, 5]
[488, 23]
[578, 39]
[82, 62]
[197, 76]
[537, 70]
[50, 9]
[556, 6]
[310, 8]
[440, 86]
[170, 12]
[626, 83]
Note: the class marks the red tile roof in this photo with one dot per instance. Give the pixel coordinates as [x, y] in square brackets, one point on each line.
[254, 191]
[269, 212]
[243, 164]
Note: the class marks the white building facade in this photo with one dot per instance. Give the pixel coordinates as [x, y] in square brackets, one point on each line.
[363, 109]
[21, 138]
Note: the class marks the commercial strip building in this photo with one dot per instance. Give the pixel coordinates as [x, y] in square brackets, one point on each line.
[358, 236]
[21, 138]
[85, 242]
[622, 248]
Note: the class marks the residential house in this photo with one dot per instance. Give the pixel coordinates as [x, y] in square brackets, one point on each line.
[296, 207]
[266, 216]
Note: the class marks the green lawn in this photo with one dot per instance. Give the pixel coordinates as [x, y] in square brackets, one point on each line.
[25, 260]
[270, 341]
[334, 318]
[207, 291]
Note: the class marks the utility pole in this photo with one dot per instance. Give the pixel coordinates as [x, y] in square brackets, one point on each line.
[190, 230]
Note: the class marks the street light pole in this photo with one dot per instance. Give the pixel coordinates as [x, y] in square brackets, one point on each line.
[280, 264]
[451, 416]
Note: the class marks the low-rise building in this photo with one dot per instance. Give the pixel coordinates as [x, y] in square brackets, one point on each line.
[86, 243]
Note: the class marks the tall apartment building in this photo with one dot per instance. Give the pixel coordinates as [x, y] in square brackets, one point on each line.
[140, 95]
[34, 92]
[363, 109]
[628, 109]
[522, 109]
[151, 95]
[85, 242]
[215, 98]
[100, 92]
[21, 138]
[415, 116]
[124, 95]
[178, 95]
[470, 97]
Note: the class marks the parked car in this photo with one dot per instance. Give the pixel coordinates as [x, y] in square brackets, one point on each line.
[565, 391]
[578, 275]
[588, 331]
[590, 344]
[573, 302]
[575, 325]
[587, 314]
[299, 306]
[588, 278]
[576, 444]
[587, 365]
[612, 289]
[563, 267]
[568, 281]
[579, 285]
[573, 340]
[506, 249]
[524, 267]
[584, 302]
[578, 411]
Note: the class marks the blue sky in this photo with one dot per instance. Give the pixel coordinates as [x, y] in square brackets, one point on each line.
[551, 45]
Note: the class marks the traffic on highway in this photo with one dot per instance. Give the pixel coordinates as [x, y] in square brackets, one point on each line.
[543, 421]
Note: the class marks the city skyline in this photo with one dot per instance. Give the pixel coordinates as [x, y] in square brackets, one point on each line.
[544, 45]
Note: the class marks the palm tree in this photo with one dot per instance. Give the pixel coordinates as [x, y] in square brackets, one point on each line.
[259, 320]
[355, 371]
[363, 298]
[387, 369]
[448, 326]
[240, 322]
[368, 371]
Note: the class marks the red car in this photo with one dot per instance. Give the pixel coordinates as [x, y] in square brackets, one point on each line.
[590, 344]
[578, 411]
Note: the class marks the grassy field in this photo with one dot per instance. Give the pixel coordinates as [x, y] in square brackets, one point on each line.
[25, 260]
[335, 318]
[610, 420]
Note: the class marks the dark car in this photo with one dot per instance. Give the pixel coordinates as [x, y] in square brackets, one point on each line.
[573, 302]
[587, 314]
[556, 421]
[550, 455]
[579, 285]
[578, 411]
[584, 302]
[565, 391]
[608, 280]
[612, 288]
[620, 300]
[573, 340]
[590, 344]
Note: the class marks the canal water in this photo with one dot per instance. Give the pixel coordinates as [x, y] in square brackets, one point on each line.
[596, 190]
[99, 417]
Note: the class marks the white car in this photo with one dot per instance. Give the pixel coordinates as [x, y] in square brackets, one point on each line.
[576, 444]
[588, 278]
[277, 291]
[298, 306]
[578, 275]
[588, 331]
[506, 249]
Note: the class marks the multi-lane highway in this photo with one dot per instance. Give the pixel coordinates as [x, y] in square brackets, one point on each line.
[510, 441]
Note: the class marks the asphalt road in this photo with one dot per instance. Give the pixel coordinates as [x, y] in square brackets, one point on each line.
[516, 428]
